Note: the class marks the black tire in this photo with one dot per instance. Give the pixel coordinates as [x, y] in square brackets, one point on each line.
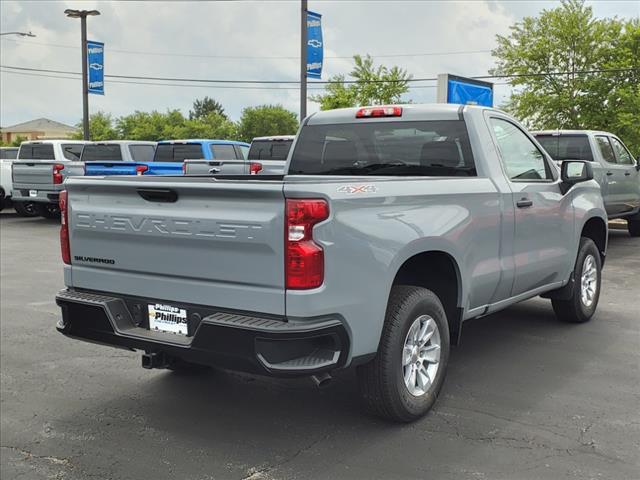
[381, 381]
[633, 225]
[574, 309]
[48, 210]
[25, 209]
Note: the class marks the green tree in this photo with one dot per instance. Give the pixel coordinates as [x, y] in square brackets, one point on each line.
[557, 60]
[152, 125]
[100, 128]
[266, 120]
[201, 108]
[373, 86]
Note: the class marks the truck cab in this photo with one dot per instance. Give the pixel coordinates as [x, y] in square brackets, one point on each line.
[171, 154]
[615, 168]
[117, 157]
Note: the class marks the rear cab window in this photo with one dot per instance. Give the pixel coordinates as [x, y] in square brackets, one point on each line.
[36, 151]
[102, 152]
[8, 153]
[178, 152]
[269, 149]
[223, 152]
[142, 153]
[414, 148]
[567, 147]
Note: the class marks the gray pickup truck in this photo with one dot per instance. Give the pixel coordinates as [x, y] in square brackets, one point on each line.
[267, 156]
[614, 168]
[392, 226]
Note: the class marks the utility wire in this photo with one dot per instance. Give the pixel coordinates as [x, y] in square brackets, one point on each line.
[253, 57]
[33, 74]
[294, 82]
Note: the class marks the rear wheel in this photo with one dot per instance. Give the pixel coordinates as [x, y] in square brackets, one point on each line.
[403, 381]
[48, 210]
[25, 209]
[633, 225]
[586, 292]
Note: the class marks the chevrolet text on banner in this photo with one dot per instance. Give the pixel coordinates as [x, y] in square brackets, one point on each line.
[314, 45]
[95, 61]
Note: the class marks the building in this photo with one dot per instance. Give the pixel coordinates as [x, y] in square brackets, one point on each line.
[39, 129]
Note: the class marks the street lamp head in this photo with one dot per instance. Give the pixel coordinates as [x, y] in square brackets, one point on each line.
[80, 13]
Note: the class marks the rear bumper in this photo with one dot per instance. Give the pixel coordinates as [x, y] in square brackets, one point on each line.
[45, 193]
[238, 341]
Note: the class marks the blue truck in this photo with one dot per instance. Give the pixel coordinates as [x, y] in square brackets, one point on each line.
[169, 157]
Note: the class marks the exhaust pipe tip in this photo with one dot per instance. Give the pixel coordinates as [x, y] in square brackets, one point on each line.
[322, 380]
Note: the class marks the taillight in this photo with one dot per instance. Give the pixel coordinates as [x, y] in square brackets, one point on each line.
[370, 112]
[64, 228]
[255, 168]
[184, 168]
[57, 176]
[304, 261]
[140, 169]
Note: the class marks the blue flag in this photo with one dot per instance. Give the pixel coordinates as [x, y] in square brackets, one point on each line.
[315, 47]
[95, 61]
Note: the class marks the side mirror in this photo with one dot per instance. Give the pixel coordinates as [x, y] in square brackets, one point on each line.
[573, 172]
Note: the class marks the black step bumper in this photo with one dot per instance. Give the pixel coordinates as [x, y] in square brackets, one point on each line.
[235, 340]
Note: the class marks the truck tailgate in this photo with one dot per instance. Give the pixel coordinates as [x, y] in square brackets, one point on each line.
[33, 172]
[111, 168]
[201, 241]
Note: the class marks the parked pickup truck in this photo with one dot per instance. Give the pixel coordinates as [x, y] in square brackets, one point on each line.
[392, 226]
[614, 168]
[171, 155]
[267, 156]
[117, 157]
[39, 172]
[7, 154]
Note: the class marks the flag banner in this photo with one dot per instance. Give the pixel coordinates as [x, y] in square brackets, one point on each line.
[315, 47]
[95, 61]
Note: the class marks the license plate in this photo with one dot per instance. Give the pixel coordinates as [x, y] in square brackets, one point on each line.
[167, 318]
[33, 193]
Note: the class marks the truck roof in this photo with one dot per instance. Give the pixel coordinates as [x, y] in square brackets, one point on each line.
[274, 138]
[123, 142]
[570, 132]
[202, 140]
[410, 112]
[54, 142]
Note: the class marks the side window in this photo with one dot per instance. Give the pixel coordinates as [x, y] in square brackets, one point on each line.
[606, 150]
[245, 151]
[622, 154]
[142, 153]
[223, 152]
[522, 159]
[72, 151]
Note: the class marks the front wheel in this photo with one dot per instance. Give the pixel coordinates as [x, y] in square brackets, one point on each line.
[586, 292]
[403, 381]
[633, 225]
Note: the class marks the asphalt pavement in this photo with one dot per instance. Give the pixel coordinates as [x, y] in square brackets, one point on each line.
[526, 397]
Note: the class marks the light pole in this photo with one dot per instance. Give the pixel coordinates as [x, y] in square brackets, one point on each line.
[303, 59]
[20, 34]
[82, 15]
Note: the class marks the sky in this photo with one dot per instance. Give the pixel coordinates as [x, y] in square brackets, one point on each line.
[243, 40]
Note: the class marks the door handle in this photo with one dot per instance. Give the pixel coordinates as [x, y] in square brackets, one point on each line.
[609, 174]
[524, 203]
[158, 195]
[626, 174]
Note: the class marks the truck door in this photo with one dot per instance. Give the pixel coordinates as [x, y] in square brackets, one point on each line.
[608, 179]
[544, 217]
[628, 178]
